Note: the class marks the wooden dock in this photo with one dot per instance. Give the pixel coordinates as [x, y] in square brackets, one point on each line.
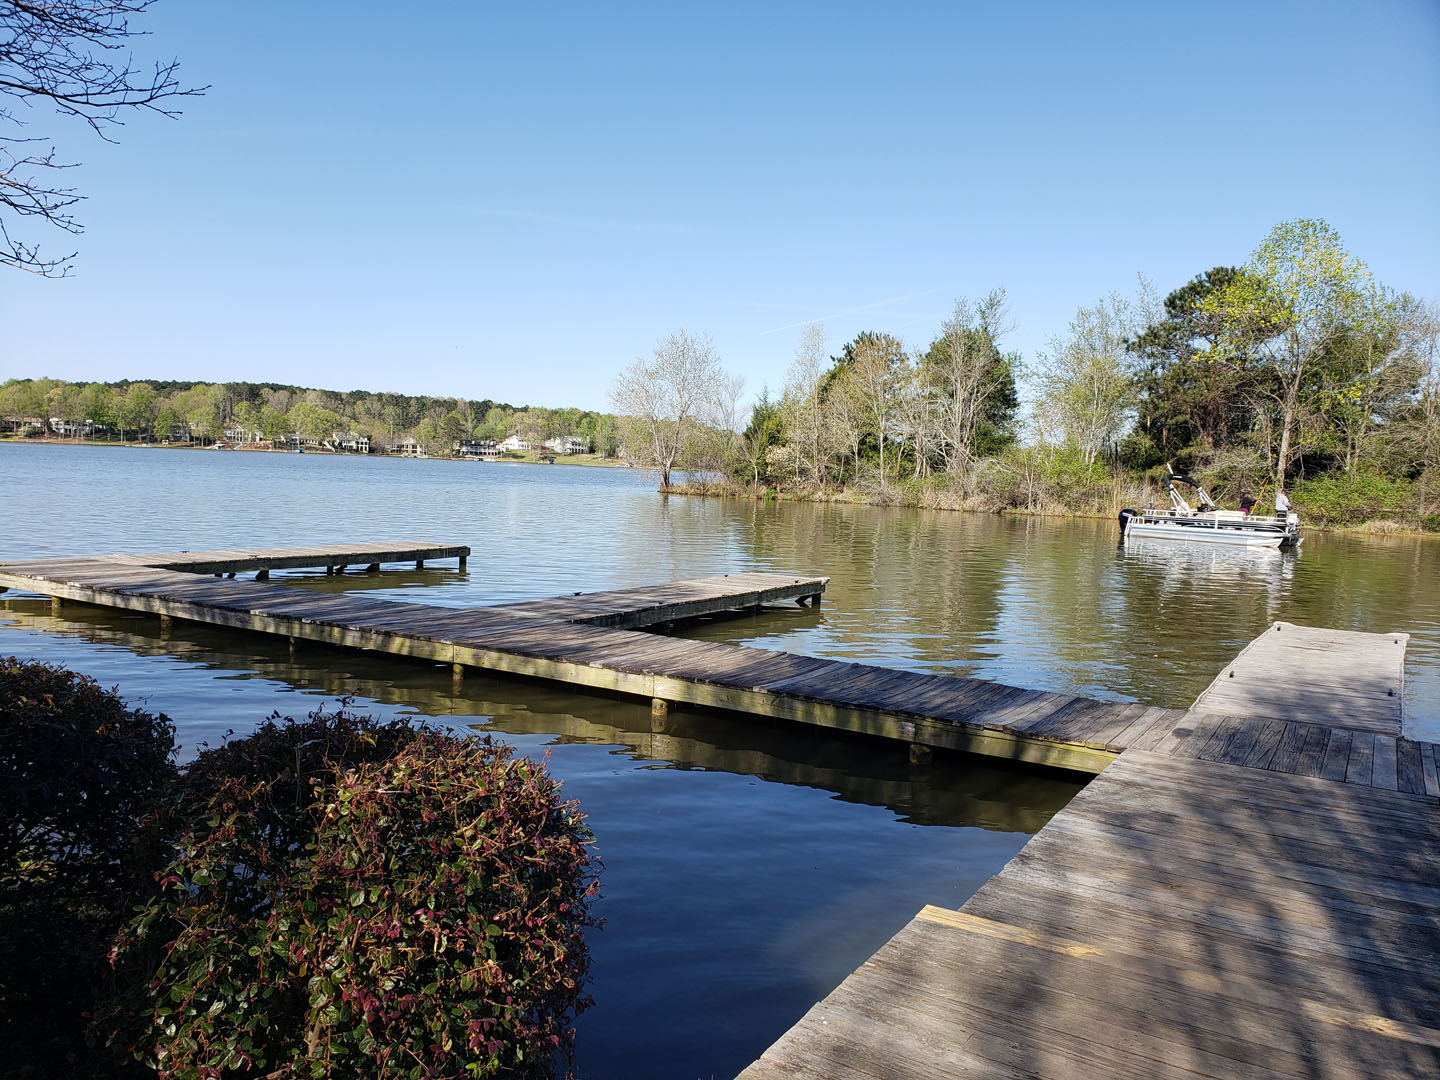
[592, 640]
[1249, 888]
[1249, 896]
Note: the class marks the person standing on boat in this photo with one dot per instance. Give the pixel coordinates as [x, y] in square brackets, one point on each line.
[1247, 503]
[1282, 505]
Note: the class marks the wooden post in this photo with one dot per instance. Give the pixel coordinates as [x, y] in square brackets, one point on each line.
[165, 622]
[920, 754]
[457, 673]
[263, 574]
[56, 603]
[462, 562]
[419, 564]
[658, 707]
[294, 644]
[374, 567]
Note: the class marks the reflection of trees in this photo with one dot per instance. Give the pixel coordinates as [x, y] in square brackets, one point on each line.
[908, 588]
[956, 791]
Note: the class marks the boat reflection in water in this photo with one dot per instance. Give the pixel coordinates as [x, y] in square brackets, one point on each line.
[1205, 575]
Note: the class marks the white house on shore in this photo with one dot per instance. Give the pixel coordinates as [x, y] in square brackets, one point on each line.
[514, 443]
[568, 444]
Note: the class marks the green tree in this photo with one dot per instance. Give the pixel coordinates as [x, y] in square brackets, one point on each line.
[20, 400]
[135, 409]
[1192, 392]
[99, 405]
[1298, 297]
[1086, 392]
[766, 429]
[871, 369]
[970, 381]
[167, 419]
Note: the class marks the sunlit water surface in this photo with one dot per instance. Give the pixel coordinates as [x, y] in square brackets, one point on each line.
[748, 866]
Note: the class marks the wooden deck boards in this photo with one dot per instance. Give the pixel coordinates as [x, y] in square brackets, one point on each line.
[1320, 676]
[1236, 896]
[587, 640]
[1178, 918]
[1252, 888]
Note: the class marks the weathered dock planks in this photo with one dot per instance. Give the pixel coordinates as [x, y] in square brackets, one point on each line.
[1338, 677]
[1251, 888]
[589, 640]
[1245, 896]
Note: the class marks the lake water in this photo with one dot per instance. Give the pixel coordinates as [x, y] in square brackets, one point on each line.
[748, 866]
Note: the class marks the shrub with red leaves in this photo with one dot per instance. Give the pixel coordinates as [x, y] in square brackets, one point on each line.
[353, 898]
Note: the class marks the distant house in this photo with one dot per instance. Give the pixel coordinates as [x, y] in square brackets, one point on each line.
[238, 433]
[479, 448]
[514, 443]
[71, 429]
[178, 433]
[408, 447]
[568, 444]
[350, 441]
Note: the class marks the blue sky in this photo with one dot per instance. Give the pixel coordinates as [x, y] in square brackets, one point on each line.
[515, 201]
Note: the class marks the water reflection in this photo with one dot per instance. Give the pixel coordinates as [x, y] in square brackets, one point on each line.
[953, 791]
[1047, 603]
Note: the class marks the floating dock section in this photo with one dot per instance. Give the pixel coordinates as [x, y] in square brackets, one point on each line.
[594, 640]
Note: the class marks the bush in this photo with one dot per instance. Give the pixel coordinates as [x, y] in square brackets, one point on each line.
[1351, 498]
[359, 898]
[78, 771]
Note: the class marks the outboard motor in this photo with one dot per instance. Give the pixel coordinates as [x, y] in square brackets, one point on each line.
[1125, 516]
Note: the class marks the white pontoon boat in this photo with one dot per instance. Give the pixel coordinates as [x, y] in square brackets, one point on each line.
[1206, 522]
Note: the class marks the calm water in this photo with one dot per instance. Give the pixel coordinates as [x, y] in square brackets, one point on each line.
[747, 867]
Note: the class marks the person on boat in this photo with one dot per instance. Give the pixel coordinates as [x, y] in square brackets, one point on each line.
[1282, 504]
[1247, 503]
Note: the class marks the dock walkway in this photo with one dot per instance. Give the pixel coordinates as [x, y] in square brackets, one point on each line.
[1251, 896]
[591, 640]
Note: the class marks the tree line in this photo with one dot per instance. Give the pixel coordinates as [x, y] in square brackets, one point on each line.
[1296, 369]
[203, 412]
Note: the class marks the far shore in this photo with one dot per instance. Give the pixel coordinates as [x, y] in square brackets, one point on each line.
[518, 458]
[891, 497]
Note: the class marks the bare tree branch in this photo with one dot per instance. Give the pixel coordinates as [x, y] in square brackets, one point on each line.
[66, 54]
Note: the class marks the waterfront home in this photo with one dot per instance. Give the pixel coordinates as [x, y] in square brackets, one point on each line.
[350, 441]
[478, 448]
[568, 444]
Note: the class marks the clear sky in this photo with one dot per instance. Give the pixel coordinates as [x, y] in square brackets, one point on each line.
[514, 201]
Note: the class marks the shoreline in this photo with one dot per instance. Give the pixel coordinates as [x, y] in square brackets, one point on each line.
[896, 498]
[587, 460]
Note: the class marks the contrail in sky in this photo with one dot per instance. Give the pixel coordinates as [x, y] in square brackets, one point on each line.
[849, 311]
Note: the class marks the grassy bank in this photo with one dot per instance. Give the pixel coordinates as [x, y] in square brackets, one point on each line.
[1025, 485]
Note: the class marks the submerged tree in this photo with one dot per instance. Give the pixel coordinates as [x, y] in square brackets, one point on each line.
[73, 57]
